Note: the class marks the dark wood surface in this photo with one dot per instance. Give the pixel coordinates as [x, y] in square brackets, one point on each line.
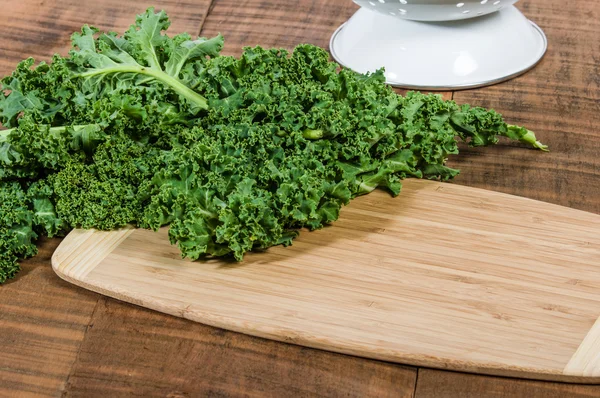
[57, 339]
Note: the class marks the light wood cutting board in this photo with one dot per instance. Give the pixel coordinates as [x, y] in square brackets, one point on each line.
[442, 276]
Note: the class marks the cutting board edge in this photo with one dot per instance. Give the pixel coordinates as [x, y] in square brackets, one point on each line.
[440, 185]
[293, 337]
[69, 253]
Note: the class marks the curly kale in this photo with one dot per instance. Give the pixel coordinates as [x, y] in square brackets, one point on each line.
[16, 229]
[233, 154]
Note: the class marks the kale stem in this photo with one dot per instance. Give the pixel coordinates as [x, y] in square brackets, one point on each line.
[529, 138]
[159, 75]
[312, 134]
[52, 130]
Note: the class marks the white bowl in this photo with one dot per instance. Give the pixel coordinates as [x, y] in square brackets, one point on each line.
[435, 10]
[449, 55]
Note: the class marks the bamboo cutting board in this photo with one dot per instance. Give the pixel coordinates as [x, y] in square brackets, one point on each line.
[442, 276]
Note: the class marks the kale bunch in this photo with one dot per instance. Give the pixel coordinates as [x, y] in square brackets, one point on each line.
[234, 154]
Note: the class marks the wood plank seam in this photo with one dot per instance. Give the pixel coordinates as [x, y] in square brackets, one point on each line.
[211, 6]
[414, 394]
[87, 328]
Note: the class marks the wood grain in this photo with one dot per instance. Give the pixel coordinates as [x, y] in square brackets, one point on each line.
[100, 247]
[586, 359]
[439, 384]
[42, 323]
[40, 28]
[272, 23]
[133, 351]
[443, 276]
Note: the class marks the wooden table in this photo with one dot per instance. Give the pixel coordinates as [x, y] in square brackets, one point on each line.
[57, 339]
